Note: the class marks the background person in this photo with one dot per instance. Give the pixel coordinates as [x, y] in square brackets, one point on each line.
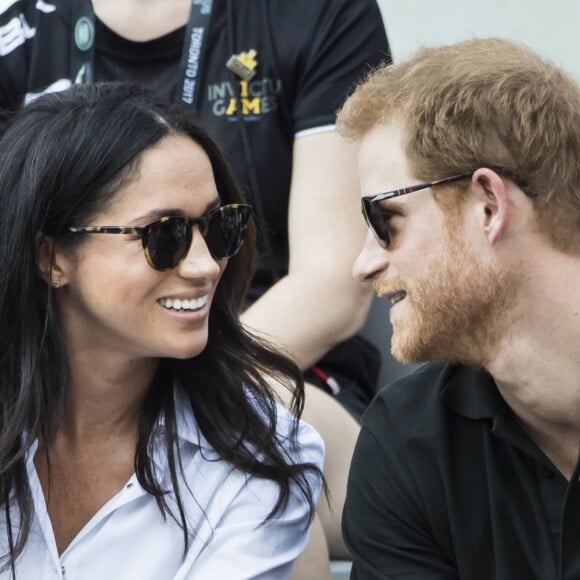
[277, 131]
[138, 438]
[469, 468]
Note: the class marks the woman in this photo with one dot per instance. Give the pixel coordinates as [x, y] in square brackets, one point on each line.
[303, 58]
[138, 437]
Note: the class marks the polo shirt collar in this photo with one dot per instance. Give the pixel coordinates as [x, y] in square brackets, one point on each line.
[473, 393]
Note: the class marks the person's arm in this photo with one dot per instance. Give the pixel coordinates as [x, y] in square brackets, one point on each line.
[317, 304]
[241, 545]
[384, 524]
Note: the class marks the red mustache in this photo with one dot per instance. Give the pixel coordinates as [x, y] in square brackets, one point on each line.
[381, 286]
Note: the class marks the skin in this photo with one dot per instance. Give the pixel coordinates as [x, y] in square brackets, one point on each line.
[115, 330]
[142, 20]
[443, 285]
[533, 325]
[418, 241]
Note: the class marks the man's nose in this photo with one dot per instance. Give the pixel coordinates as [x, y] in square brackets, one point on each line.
[371, 261]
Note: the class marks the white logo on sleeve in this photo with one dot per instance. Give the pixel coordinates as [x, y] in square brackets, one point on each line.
[41, 5]
[45, 7]
[15, 34]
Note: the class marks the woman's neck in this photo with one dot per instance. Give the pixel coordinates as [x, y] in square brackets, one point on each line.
[106, 398]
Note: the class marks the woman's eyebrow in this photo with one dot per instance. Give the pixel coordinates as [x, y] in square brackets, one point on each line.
[156, 214]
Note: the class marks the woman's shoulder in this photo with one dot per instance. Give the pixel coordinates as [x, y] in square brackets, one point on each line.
[298, 440]
[299, 437]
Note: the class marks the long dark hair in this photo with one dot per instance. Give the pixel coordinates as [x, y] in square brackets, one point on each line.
[61, 161]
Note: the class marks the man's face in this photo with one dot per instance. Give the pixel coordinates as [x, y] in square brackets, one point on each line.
[446, 301]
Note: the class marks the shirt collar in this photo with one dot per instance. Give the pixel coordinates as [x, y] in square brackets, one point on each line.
[187, 428]
[472, 393]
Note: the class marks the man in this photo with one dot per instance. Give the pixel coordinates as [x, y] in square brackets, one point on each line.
[469, 468]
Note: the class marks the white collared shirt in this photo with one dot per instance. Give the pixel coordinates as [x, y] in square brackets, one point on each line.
[128, 539]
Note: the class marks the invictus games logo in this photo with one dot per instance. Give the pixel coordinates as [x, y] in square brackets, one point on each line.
[254, 96]
[244, 64]
[257, 98]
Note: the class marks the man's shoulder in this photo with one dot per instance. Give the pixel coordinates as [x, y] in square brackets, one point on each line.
[311, 24]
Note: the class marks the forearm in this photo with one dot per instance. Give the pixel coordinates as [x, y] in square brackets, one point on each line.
[306, 313]
[318, 304]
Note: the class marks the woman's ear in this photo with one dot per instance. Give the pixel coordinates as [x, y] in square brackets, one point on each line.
[50, 262]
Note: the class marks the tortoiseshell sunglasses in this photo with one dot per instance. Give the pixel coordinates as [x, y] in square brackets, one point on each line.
[167, 240]
[377, 218]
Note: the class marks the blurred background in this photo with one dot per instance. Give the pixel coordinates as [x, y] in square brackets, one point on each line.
[548, 27]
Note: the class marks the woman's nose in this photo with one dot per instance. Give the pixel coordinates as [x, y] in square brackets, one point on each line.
[199, 263]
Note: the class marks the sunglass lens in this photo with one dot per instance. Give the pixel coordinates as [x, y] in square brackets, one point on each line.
[226, 229]
[377, 221]
[167, 243]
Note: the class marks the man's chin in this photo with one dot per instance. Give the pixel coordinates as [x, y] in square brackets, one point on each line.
[419, 346]
[413, 351]
[407, 350]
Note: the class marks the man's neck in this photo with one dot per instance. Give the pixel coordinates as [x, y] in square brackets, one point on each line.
[537, 365]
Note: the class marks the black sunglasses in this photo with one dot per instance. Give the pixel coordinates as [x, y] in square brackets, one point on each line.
[167, 240]
[377, 218]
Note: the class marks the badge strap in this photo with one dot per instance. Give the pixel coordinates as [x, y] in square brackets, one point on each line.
[82, 45]
[194, 46]
[82, 48]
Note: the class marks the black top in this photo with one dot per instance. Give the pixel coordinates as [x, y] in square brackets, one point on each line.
[310, 53]
[446, 484]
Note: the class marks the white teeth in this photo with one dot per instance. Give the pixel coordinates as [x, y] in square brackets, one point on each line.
[183, 304]
[398, 297]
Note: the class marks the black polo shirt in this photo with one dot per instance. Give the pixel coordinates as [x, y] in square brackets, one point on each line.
[445, 483]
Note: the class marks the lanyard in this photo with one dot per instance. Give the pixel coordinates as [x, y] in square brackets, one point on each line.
[82, 49]
[82, 45]
[193, 49]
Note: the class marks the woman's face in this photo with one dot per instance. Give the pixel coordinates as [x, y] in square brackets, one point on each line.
[111, 300]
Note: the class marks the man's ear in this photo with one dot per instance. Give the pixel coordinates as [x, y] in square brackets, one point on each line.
[493, 203]
[50, 262]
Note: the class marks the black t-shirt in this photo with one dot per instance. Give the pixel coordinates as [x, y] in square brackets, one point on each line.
[445, 484]
[310, 53]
